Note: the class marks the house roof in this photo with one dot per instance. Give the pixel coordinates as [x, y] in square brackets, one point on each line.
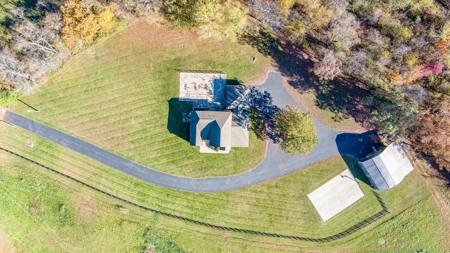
[387, 167]
[239, 130]
[237, 96]
[336, 195]
[205, 89]
[214, 126]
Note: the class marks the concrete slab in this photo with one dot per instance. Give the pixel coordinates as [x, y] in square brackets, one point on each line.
[336, 195]
[2, 112]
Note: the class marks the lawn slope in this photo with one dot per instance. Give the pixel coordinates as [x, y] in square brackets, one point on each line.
[276, 206]
[119, 95]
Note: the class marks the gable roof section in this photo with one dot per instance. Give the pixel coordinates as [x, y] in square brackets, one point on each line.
[239, 130]
[214, 126]
[388, 168]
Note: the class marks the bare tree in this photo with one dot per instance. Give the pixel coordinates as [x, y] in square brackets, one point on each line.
[344, 26]
[356, 63]
[144, 8]
[42, 49]
[268, 12]
[329, 66]
[13, 71]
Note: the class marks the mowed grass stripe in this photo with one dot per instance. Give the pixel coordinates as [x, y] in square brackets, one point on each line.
[198, 203]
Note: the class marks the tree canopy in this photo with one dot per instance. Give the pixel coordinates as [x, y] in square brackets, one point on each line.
[393, 115]
[7, 98]
[221, 20]
[214, 18]
[433, 134]
[296, 129]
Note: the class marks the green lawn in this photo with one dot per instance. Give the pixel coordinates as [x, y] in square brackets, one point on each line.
[119, 95]
[38, 216]
[418, 229]
[276, 206]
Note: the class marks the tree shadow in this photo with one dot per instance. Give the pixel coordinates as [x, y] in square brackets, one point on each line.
[257, 125]
[342, 96]
[177, 120]
[358, 145]
[263, 103]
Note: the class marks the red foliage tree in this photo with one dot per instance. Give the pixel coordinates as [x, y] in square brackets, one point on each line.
[434, 67]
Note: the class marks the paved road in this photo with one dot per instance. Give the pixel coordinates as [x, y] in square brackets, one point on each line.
[277, 163]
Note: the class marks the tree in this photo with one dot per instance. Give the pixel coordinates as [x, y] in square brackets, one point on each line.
[82, 25]
[433, 134]
[221, 20]
[286, 4]
[344, 26]
[393, 115]
[13, 71]
[7, 98]
[328, 67]
[296, 129]
[181, 13]
[269, 13]
[39, 44]
[144, 8]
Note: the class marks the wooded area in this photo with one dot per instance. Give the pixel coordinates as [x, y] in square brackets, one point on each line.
[398, 49]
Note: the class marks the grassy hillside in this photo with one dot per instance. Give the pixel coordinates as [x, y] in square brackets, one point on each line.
[119, 95]
[38, 215]
[277, 206]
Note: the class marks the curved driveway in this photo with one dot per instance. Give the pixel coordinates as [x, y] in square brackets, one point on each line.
[276, 163]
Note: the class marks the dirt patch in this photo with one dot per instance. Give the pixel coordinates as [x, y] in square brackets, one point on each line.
[262, 79]
[122, 209]
[86, 208]
[35, 206]
[5, 244]
[151, 34]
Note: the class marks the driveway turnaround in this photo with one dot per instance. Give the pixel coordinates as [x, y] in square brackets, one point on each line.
[277, 163]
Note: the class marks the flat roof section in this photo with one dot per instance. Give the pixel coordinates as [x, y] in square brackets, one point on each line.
[336, 195]
[202, 86]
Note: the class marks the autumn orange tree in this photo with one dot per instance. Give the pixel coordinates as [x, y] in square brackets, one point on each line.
[433, 134]
[83, 25]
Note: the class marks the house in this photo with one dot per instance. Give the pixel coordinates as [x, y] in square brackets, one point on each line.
[219, 118]
[386, 167]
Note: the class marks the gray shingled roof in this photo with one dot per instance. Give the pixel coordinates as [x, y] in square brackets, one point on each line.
[239, 130]
[214, 126]
[387, 168]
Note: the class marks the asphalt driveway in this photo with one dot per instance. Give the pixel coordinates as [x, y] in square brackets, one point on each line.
[276, 163]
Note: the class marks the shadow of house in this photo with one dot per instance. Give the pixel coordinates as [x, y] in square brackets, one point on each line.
[178, 118]
[356, 170]
[358, 145]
